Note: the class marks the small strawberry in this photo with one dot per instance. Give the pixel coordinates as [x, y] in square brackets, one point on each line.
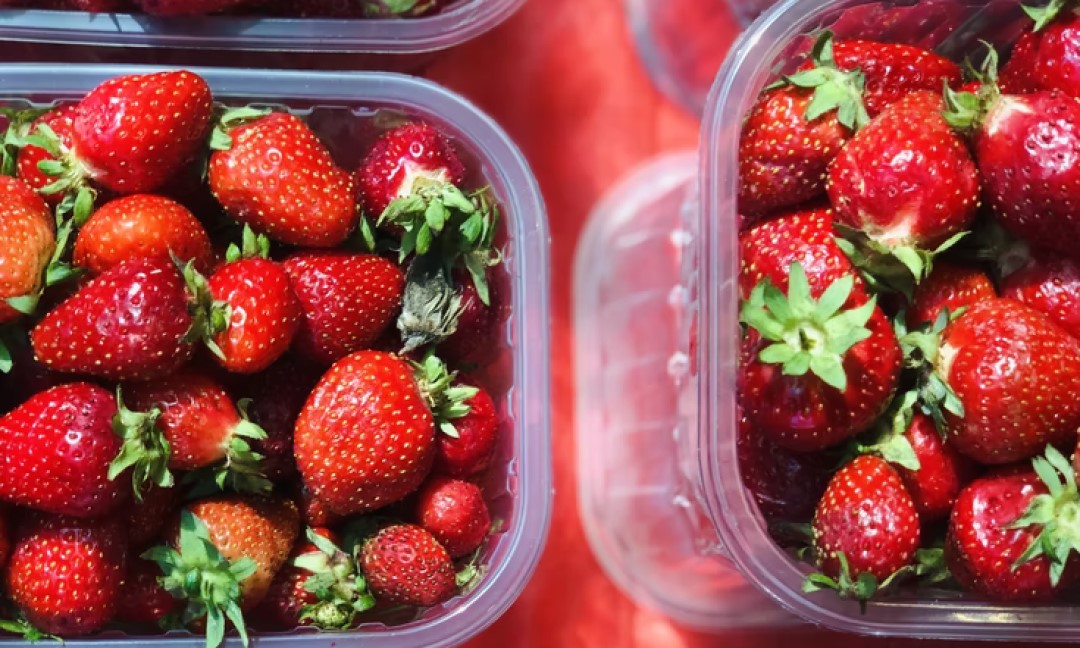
[56, 449]
[29, 244]
[454, 511]
[469, 447]
[370, 411]
[866, 530]
[1010, 535]
[65, 574]
[1027, 400]
[271, 172]
[1049, 283]
[141, 225]
[1045, 57]
[950, 286]
[406, 565]
[148, 515]
[348, 301]
[187, 421]
[62, 125]
[143, 601]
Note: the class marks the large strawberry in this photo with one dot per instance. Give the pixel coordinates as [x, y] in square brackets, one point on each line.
[406, 565]
[820, 361]
[66, 574]
[1049, 283]
[271, 172]
[949, 287]
[866, 529]
[56, 449]
[365, 438]
[1016, 374]
[348, 300]
[29, 243]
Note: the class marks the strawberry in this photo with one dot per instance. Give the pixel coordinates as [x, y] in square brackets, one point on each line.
[187, 421]
[454, 511]
[281, 609]
[60, 121]
[406, 565]
[223, 557]
[65, 574]
[1049, 283]
[406, 8]
[1045, 57]
[171, 8]
[866, 529]
[56, 450]
[348, 301]
[141, 225]
[147, 516]
[313, 511]
[143, 601]
[1027, 401]
[26, 228]
[134, 321]
[998, 534]
[478, 324]
[271, 172]
[831, 381]
[470, 447]
[369, 409]
[906, 181]
[264, 314]
[950, 286]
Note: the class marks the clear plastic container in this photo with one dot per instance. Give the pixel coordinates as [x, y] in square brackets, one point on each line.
[953, 28]
[641, 513]
[345, 108]
[458, 23]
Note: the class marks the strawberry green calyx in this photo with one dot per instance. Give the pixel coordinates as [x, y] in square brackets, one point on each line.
[861, 588]
[807, 334]
[377, 8]
[19, 125]
[965, 111]
[891, 443]
[22, 627]
[921, 349]
[931, 567]
[336, 581]
[834, 89]
[206, 580]
[145, 449]
[1057, 512]
[430, 305]
[447, 400]
[1043, 16]
[209, 317]
[252, 246]
[887, 267]
[70, 177]
[242, 470]
[229, 119]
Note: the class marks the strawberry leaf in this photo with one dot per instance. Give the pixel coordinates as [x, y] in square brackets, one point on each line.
[6, 363]
[21, 626]
[144, 448]
[1043, 16]
[1056, 512]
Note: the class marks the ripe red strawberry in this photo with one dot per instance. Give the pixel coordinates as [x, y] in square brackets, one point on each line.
[454, 511]
[170, 8]
[56, 449]
[845, 366]
[187, 421]
[348, 300]
[65, 574]
[1045, 57]
[1049, 283]
[287, 597]
[471, 446]
[406, 565]
[141, 225]
[148, 515]
[143, 601]
[950, 286]
[406, 160]
[369, 410]
[994, 543]
[313, 511]
[132, 134]
[786, 485]
[131, 322]
[865, 524]
[62, 124]
[271, 172]
[476, 336]
[29, 237]
[1027, 401]
[906, 181]
[264, 314]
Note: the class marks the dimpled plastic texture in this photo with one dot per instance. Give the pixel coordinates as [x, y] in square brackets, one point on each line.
[953, 29]
[643, 520]
[460, 22]
[346, 109]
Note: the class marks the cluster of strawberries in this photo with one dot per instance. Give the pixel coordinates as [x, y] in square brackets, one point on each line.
[910, 299]
[201, 430]
[293, 8]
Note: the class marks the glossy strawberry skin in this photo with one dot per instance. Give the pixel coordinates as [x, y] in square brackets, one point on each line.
[265, 313]
[981, 551]
[128, 323]
[454, 511]
[348, 301]
[906, 178]
[942, 471]
[136, 132]
[1016, 374]
[280, 179]
[1048, 59]
[1049, 283]
[61, 122]
[400, 157]
[406, 565]
[365, 438]
[143, 601]
[281, 608]
[142, 225]
[867, 514]
[80, 597]
[478, 438]
[56, 450]
[29, 236]
[950, 286]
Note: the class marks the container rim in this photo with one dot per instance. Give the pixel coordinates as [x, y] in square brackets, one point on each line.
[517, 555]
[456, 25]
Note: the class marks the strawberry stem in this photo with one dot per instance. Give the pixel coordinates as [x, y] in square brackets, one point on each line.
[145, 449]
[336, 581]
[1057, 512]
[252, 246]
[447, 400]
